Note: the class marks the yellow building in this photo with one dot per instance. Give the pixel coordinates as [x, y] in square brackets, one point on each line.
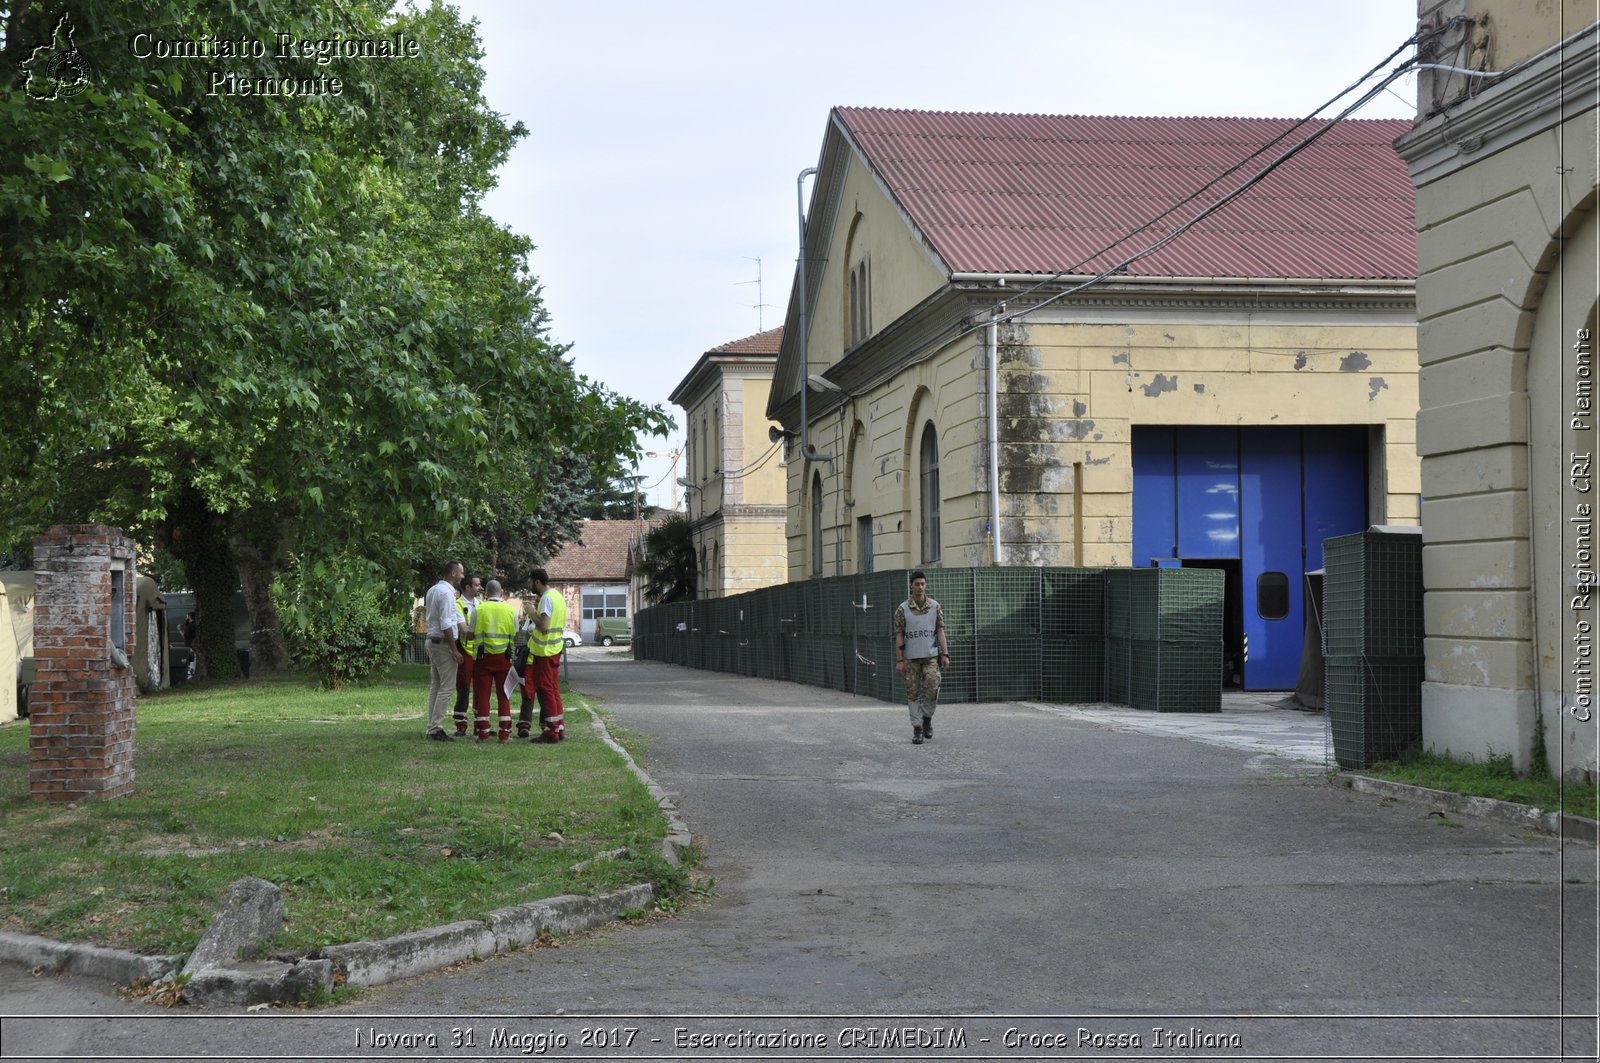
[1230, 388]
[1503, 157]
[734, 469]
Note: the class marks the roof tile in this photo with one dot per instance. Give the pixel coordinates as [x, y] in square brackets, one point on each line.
[767, 342]
[601, 556]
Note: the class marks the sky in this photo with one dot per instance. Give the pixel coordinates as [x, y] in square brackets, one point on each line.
[658, 178]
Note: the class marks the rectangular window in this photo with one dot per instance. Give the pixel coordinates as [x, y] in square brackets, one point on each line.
[605, 601]
[864, 544]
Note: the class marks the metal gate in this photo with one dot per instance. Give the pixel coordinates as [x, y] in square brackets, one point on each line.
[1256, 501]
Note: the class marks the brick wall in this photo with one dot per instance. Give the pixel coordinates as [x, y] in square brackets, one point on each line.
[81, 727]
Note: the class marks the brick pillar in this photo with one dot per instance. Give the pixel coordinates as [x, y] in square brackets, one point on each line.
[81, 709]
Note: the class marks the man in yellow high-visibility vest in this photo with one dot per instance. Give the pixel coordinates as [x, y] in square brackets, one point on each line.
[545, 643]
[494, 630]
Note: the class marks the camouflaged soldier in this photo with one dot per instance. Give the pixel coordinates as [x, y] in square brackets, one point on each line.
[920, 654]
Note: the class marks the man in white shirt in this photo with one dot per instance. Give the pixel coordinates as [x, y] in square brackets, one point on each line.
[445, 629]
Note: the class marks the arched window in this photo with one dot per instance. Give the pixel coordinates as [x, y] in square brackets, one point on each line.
[928, 465]
[816, 524]
[860, 301]
[855, 307]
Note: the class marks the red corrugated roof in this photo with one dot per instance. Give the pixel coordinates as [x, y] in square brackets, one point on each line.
[1009, 193]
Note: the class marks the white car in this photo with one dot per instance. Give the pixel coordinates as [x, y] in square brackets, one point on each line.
[573, 639]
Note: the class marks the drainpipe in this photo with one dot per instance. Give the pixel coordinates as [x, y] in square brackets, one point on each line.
[806, 450]
[994, 431]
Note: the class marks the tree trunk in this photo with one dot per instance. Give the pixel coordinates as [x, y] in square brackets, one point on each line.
[198, 538]
[267, 652]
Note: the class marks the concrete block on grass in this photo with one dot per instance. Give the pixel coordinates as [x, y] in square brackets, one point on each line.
[251, 913]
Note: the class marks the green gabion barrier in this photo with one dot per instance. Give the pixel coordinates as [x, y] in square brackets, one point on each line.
[1150, 638]
[1372, 595]
[1374, 709]
[1072, 602]
[1072, 669]
[1372, 631]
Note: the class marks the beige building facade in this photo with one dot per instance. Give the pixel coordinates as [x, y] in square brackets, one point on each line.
[1503, 158]
[734, 469]
[931, 437]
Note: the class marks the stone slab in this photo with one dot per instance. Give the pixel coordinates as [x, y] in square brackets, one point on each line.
[259, 982]
[250, 914]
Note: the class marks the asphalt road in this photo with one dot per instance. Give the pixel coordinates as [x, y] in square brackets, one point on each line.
[1061, 890]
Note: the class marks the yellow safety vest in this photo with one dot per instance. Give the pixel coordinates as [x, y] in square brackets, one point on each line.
[552, 641]
[494, 628]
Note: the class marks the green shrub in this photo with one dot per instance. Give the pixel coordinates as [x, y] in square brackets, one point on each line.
[343, 625]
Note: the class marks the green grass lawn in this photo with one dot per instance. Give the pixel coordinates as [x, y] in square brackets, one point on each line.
[1496, 779]
[370, 830]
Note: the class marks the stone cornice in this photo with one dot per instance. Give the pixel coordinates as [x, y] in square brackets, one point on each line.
[1179, 294]
[712, 368]
[733, 514]
[1541, 95]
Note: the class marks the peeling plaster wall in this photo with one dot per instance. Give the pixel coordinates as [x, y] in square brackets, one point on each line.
[1070, 392]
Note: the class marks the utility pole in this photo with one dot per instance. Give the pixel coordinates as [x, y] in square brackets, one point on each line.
[674, 454]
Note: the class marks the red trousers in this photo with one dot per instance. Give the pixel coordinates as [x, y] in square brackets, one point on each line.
[544, 678]
[489, 680]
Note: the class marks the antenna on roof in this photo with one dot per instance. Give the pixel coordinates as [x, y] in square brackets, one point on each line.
[760, 326]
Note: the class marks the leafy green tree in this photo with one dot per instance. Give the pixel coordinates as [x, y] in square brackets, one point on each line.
[668, 565]
[250, 327]
[617, 498]
[345, 624]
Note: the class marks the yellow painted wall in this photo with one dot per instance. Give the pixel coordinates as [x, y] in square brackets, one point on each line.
[740, 484]
[903, 270]
[1070, 393]
[1521, 29]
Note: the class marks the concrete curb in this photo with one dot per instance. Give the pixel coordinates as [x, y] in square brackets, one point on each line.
[370, 963]
[1575, 828]
[366, 963]
[61, 957]
[678, 837]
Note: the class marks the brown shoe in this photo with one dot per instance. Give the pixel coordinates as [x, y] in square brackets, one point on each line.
[439, 736]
